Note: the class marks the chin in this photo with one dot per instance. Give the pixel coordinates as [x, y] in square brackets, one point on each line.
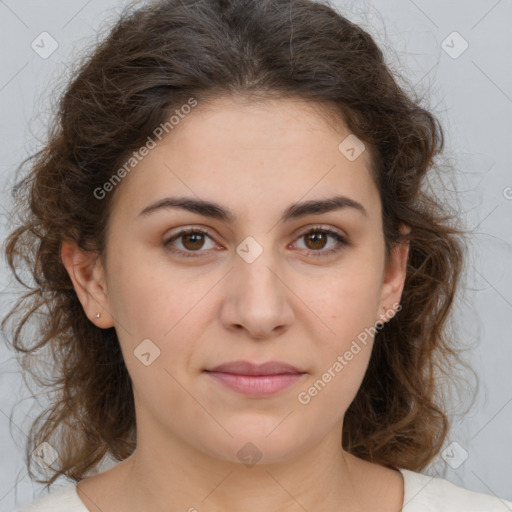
[270, 442]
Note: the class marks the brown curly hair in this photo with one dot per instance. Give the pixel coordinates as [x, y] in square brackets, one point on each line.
[155, 58]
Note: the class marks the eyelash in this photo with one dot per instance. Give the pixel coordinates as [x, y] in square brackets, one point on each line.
[317, 229]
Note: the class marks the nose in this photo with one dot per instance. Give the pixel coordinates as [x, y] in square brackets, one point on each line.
[257, 297]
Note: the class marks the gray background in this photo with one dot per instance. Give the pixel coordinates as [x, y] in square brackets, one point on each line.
[472, 94]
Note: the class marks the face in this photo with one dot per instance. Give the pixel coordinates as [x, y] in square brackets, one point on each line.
[255, 279]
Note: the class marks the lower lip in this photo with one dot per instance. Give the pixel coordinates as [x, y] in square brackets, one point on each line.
[257, 385]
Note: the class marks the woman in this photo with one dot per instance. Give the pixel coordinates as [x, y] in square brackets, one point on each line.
[247, 286]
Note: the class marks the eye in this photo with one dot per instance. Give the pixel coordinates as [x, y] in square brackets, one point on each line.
[193, 240]
[316, 239]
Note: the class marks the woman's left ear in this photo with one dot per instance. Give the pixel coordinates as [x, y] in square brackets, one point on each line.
[394, 278]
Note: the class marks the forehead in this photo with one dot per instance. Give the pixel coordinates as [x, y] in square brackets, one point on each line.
[241, 152]
[262, 125]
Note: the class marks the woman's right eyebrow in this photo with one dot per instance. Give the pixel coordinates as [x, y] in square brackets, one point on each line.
[216, 211]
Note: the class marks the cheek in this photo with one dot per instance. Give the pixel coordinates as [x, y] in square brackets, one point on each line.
[145, 300]
[169, 311]
[345, 301]
[343, 354]
[330, 391]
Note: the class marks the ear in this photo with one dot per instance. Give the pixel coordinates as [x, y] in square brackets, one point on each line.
[394, 279]
[87, 274]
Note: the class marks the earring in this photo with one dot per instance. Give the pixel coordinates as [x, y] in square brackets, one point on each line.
[97, 315]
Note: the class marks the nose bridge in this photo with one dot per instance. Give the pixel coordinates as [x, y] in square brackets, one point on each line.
[256, 267]
[258, 297]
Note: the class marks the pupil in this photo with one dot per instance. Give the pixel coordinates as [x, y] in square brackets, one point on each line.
[318, 237]
[197, 237]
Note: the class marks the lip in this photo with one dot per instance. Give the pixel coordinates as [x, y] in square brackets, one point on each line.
[249, 368]
[256, 380]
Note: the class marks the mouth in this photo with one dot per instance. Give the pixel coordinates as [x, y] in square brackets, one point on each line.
[257, 380]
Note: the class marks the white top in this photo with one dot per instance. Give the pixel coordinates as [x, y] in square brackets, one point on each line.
[422, 493]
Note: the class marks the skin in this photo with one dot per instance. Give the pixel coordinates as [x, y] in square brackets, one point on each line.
[255, 159]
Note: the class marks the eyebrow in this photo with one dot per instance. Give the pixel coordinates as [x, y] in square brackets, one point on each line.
[216, 211]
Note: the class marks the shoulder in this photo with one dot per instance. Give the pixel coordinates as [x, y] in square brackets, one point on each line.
[424, 493]
[64, 499]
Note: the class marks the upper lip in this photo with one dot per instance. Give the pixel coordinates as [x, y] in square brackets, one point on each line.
[248, 368]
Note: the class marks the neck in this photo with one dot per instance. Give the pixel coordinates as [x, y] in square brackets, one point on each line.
[164, 473]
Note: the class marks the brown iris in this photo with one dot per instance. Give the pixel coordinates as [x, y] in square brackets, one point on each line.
[316, 237]
[196, 239]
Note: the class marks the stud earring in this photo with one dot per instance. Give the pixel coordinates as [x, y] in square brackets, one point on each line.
[97, 315]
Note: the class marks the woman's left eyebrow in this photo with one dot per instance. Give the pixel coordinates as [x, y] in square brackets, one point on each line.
[216, 211]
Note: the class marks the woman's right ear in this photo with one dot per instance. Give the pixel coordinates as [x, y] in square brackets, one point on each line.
[88, 277]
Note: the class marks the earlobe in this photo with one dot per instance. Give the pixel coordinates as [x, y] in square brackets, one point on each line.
[394, 279]
[87, 275]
